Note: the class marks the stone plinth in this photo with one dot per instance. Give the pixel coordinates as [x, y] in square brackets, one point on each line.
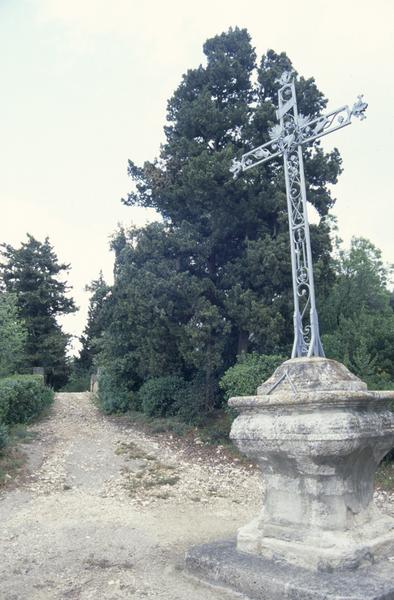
[318, 435]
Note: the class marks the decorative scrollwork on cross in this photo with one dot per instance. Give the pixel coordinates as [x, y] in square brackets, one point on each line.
[293, 131]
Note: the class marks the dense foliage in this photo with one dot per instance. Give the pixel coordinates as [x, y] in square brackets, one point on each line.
[358, 315]
[201, 306]
[4, 437]
[78, 380]
[32, 274]
[159, 395]
[212, 279]
[248, 373]
[13, 336]
[22, 398]
[113, 394]
[96, 323]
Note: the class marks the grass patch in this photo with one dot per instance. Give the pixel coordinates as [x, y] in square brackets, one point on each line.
[132, 452]
[213, 431]
[20, 433]
[162, 480]
[215, 428]
[161, 424]
[151, 476]
[149, 473]
[12, 459]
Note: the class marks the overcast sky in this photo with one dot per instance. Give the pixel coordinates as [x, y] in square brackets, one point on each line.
[85, 85]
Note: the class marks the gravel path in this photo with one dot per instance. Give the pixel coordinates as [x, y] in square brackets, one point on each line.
[107, 512]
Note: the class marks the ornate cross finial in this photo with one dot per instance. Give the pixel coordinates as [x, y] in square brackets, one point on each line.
[359, 108]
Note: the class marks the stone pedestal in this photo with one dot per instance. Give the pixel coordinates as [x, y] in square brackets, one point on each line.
[318, 435]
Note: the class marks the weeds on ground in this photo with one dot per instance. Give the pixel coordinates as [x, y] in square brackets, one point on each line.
[147, 473]
[150, 476]
[132, 451]
[12, 458]
[213, 430]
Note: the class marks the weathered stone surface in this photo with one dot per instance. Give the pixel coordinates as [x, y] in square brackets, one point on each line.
[318, 435]
[262, 579]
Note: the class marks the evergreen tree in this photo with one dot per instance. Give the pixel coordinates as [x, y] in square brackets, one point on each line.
[358, 315]
[223, 243]
[32, 272]
[96, 324]
[13, 336]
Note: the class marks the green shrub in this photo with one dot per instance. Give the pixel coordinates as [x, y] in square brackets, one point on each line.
[5, 397]
[158, 396]
[23, 397]
[248, 373]
[112, 396]
[189, 402]
[3, 436]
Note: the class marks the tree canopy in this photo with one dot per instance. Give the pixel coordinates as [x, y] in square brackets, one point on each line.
[13, 336]
[213, 278]
[358, 315]
[32, 273]
[96, 323]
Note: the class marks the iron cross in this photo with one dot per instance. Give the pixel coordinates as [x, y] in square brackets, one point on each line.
[287, 138]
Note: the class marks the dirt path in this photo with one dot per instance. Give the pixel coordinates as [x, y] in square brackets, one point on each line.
[107, 513]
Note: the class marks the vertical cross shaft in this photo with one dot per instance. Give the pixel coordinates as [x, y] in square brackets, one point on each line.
[287, 138]
[306, 338]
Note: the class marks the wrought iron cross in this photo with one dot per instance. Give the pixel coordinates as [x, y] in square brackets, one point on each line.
[287, 138]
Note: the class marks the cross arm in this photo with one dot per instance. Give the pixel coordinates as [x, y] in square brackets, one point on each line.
[302, 130]
[255, 157]
[336, 119]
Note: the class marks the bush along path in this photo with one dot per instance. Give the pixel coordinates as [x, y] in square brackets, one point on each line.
[107, 510]
[23, 398]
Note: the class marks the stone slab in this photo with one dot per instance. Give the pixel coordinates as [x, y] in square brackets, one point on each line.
[261, 579]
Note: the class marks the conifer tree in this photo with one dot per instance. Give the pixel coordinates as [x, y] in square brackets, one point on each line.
[96, 323]
[226, 240]
[32, 272]
[13, 336]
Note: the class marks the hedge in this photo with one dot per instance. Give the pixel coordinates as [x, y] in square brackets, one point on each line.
[23, 397]
[248, 373]
[3, 435]
[113, 397]
[159, 394]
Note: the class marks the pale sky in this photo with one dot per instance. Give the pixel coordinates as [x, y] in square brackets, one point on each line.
[85, 85]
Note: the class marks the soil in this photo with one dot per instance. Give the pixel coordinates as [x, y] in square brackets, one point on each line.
[107, 510]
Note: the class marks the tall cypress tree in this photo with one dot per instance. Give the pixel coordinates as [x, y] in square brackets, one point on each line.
[96, 324]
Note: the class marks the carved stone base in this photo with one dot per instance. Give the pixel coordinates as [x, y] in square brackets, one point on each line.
[323, 550]
[318, 435]
[261, 579]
